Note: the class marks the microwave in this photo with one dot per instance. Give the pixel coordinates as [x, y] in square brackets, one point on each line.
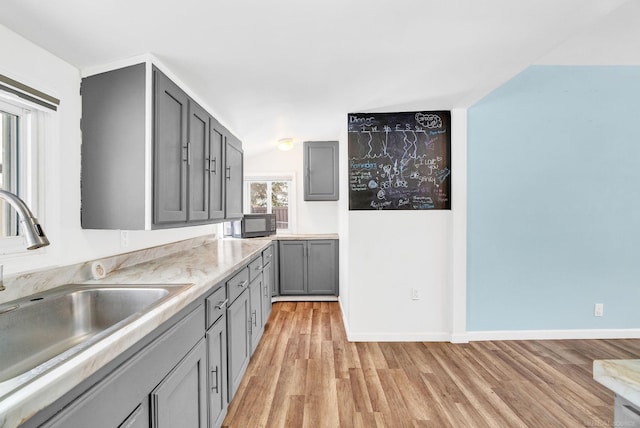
[254, 225]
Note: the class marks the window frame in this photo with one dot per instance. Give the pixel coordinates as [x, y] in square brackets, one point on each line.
[290, 177]
[32, 127]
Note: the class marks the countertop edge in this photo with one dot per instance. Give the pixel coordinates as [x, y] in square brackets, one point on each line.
[620, 376]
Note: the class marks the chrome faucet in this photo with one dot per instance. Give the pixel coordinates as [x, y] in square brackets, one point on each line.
[31, 229]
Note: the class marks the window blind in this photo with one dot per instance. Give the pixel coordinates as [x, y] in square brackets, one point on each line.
[28, 93]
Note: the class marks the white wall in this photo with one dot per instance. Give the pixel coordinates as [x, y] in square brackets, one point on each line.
[311, 216]
[384, 254]
[28, 63]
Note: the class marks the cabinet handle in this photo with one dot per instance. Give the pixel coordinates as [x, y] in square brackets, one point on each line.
[186, 154]
[250, 329]
[189, 153]
[212, 169]
[254, 318]
[243, 284]
[259, 268]
[220, 305]
[228, 173]
[214, 372]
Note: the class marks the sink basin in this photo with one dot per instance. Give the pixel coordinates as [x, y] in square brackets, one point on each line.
[44, 329]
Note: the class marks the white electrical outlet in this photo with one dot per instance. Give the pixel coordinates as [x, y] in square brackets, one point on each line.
[598, 310]
[415, 294]
[124, 238]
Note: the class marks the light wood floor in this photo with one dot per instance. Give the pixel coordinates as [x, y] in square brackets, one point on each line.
[306, 374]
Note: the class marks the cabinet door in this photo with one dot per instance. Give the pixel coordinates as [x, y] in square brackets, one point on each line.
[257, 292]
[180, 399]
[267, 279]
[321, 171]
[293, 267]
[275, 284]
[170, 151]
[238, 341]
[233, 180]
[216, 172]
[322, 276]
[217, 350]
[198, 163]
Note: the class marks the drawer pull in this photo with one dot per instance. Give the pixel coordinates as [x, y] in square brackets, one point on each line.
[243, 284]
[221, 305]
[259, 268]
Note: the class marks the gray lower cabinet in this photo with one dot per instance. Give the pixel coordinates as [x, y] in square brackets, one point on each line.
[180, 399]
[293, 267]
[321, 171]
[217, 382]
[275, 277]
[238, 340]
[625, 413]
[148, 389]
[256, 297]
[308, 267]
[184, 376]
[267, 280]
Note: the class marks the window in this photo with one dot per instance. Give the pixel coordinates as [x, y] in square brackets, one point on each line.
[9, 125]
[19, 167]
[273, 195]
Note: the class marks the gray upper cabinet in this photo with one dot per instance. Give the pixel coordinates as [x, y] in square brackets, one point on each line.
[321, 171]
[113, 149]
[198, 162]
[216, 173]
[233, 178]
[151, 156]
[171, 116]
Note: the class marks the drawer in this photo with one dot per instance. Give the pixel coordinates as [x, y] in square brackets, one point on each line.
[255, 269]
[237, 284]
[267, 255]
[216, 304]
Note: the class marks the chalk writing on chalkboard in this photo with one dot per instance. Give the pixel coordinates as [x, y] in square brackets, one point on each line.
[400, 161]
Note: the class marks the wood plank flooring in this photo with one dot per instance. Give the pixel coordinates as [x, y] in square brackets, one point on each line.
[306, 374]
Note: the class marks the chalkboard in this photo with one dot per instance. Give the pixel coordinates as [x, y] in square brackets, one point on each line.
[400, 161]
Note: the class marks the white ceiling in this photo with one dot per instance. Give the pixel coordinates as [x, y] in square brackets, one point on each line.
[295, 68]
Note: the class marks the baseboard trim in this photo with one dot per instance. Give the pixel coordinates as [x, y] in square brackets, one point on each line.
[304, 299]
[476, 336]
[399, 337]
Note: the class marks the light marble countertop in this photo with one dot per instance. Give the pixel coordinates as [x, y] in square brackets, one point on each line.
[620, 376]
[203, 266]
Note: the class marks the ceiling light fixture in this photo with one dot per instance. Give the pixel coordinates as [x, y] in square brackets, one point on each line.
[285, 144]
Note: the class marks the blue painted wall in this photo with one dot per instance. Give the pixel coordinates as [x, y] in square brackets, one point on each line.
[554, 201]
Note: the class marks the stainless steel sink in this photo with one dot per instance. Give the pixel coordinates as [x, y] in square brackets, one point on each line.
[42, 330]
